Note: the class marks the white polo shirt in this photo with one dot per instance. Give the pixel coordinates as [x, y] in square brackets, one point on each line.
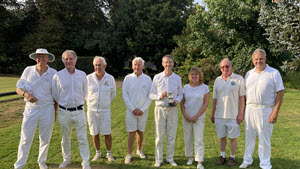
[40, 85]
[100, 93]
[69, 90]
[136, 91]
[172, 84]
[194, 99]
[261, 88]
[227, 93]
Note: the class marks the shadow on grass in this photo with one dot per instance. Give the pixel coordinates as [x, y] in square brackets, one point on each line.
[209, 163]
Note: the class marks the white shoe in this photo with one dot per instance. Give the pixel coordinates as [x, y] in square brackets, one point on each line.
[244, 165]
[127, 159]
[43, 166]
[97, 156]
[172, 162]
[200, 166]
[190, 161]
[157, 164]
[64, 164]
[109, 157]
[87, 166]
[141, 154]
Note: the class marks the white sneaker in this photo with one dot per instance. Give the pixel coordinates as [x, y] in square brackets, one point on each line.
[244, 165]
[109, 157]
[43, 166]
[87, 166]
[157, 164]
[64, 164]
[172, 162]
[141, 154]
[190, 161]
[97, 156]
[127, 159]
[200, 166]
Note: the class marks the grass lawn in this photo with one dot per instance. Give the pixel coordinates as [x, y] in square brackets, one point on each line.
[285, 141]
[8, 84]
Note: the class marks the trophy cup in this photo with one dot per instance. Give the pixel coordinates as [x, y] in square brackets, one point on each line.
[170, 97]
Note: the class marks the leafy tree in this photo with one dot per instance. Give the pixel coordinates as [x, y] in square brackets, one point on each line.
[146, 27]
[10, 19]
[281, 22]
[226, 29]
[206, 65]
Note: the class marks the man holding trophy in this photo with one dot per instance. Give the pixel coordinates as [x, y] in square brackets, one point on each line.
[166, 91]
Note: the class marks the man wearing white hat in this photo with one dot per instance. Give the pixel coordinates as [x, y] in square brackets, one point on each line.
[35, 86]
[69, 88]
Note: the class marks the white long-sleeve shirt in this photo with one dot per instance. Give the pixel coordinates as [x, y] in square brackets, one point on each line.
[136, 91]
[40, 86]
[69, 90]
[261, 88]
[100, 93]
[171, 84]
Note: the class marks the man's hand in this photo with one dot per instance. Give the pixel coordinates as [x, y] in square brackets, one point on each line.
[30, 98]
[135, 112]
[240, 118]
[163, 94]
[212, 118]
[273, 118]
[140, 112]
[175, 102]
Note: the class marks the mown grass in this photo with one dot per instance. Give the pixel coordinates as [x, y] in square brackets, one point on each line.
[8, 84]
[285, 142]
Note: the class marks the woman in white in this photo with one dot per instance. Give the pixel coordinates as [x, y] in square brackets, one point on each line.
[193, 105]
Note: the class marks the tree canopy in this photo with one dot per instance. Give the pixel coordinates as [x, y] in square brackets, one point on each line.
[225, 29]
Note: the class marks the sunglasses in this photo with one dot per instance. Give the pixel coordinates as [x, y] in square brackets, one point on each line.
[226, 66]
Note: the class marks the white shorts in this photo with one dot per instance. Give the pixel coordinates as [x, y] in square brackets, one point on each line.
[99, 122]
[230, 126]
[134, 123]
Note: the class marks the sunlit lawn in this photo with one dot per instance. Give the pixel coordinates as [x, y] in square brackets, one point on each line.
[285, 141]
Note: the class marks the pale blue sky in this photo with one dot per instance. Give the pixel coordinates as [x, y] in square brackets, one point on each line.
[199, 1]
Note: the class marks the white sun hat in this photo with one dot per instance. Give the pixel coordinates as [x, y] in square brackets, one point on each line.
[44, 52]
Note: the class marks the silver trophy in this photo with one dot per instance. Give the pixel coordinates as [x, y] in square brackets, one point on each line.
[171, 97]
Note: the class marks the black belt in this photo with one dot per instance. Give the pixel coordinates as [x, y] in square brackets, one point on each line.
[72, 108]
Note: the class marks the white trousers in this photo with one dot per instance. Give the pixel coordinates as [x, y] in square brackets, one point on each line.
[194, 130]
[66, 120]
[31, 117]
[166, 121]
[256, 124]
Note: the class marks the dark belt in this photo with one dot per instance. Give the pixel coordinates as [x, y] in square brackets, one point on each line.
[72, 108]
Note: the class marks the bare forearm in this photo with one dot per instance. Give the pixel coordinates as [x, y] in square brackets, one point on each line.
[242, 104]
[20, 92]
[278, 102]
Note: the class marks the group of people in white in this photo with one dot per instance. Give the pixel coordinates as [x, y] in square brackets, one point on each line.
[47, 92]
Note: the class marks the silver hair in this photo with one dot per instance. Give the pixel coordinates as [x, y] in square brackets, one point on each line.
[138, 58]
[168, 56]
[68, 51]
[261, 51]
[226, 60]
[99, 58]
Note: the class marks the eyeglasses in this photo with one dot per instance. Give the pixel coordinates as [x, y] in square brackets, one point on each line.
[226, 66]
